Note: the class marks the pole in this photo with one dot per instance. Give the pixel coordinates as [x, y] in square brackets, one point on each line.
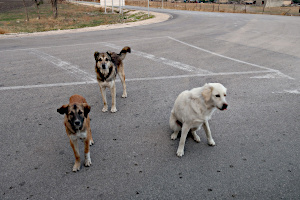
[148, 8]
[105, 5]
[112, 6]
[122, 6]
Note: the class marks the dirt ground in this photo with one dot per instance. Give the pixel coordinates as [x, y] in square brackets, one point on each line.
[159, 17]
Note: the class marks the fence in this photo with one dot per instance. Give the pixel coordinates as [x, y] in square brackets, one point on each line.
[215, 7]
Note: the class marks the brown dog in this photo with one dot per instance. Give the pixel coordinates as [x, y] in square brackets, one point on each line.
[77, 124]
[108, 65]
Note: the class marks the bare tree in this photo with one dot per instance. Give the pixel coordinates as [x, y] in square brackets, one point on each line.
[54, 8]
[26, 10]
[37, 3]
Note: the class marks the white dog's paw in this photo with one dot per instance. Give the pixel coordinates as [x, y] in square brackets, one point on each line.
[174, 136]
[76, 167]
[211, 142]
[180, 153]
[105, 109]
[197, 138]
[113, 109]
[87, 162]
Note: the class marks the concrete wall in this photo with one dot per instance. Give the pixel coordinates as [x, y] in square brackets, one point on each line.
[274, 3]
[109, 2]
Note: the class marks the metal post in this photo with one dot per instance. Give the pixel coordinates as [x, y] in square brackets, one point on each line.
[148, 8]
[105, 5]
[112, 6]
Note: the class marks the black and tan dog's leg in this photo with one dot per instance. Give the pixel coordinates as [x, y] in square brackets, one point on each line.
[74, 145]
[103, 94]
[121, 74]
[113, 97]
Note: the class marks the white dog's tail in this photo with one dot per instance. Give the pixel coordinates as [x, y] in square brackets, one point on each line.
[175, 125]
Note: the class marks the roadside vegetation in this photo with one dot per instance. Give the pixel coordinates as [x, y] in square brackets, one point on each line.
[234, 6]
[70, 16]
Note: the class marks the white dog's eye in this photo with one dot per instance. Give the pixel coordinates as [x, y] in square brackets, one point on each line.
[217, 95]
[100, 59]
[106, 59]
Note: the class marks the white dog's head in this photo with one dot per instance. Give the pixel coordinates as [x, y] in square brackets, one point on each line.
[215, 94]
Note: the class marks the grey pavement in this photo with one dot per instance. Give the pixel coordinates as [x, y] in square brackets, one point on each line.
[257, 139]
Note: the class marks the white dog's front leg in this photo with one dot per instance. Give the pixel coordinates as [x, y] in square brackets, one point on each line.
[210, 140]
[184, 131]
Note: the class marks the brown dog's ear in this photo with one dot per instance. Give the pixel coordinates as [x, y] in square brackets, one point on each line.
[87, 109]
[96, 54]
[63, 110]
[206, 92]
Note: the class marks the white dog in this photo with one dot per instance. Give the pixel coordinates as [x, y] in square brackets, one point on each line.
[194, 108]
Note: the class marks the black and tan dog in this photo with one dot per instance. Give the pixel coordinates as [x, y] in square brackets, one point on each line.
[108, 65]
[77, 124]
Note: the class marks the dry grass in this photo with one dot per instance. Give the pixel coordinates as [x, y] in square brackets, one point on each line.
[70, 16]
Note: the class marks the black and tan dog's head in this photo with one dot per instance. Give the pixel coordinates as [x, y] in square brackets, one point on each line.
[76, 113]
[103, 60]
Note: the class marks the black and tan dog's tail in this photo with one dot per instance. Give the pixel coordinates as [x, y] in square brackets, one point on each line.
[123, 52]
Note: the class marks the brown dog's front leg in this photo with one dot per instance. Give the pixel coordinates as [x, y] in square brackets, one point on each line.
[74, 145]
[88, 160]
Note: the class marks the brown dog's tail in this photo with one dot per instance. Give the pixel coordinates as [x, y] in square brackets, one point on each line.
[123, 52]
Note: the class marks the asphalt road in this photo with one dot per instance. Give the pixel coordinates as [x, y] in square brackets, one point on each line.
[257, 139]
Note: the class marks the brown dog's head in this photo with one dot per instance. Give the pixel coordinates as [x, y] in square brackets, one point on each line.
[103, 60]
[75, 113]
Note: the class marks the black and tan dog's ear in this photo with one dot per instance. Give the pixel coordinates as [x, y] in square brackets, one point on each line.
[109, 54]
[206, 92]
[96, 54]
[63, 110]
[87, 109]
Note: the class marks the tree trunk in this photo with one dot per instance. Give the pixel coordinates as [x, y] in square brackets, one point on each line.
[38, 11]
[26, 10]
[54, 8]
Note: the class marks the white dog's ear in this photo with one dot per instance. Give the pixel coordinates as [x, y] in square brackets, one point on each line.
[206, 92]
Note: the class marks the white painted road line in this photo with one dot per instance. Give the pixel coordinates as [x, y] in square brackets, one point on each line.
[233, 59]
[165, 61]
[74, 70]
[46, 85]
[80, 44]
[128, 80]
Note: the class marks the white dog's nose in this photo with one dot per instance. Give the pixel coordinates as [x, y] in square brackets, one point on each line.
[224, 107]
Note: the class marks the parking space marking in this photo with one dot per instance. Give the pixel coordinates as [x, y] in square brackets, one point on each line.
[165, 61]
[80, 44]
[74, 70]
[89, 79]
[129, 80]
[233, 59]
